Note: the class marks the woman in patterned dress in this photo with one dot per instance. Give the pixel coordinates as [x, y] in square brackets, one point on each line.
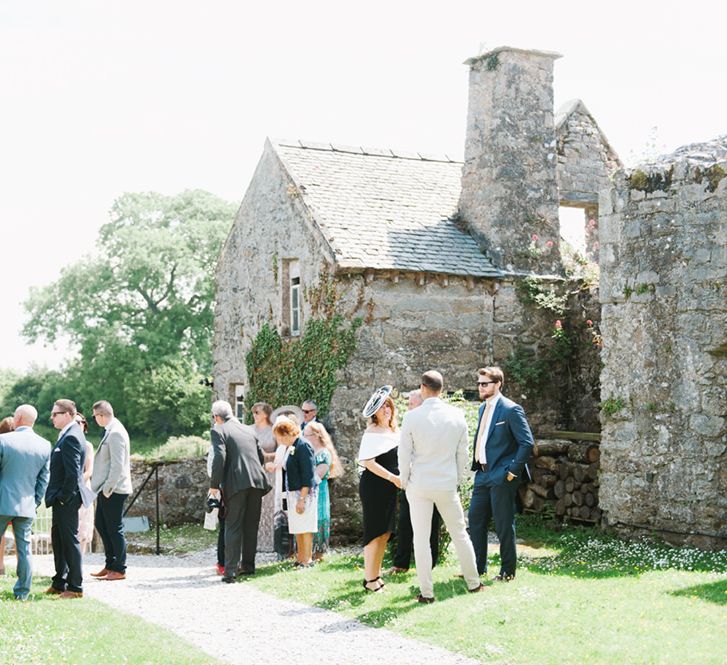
[328, 465]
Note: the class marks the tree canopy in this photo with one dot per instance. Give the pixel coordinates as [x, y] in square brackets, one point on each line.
[140, 310]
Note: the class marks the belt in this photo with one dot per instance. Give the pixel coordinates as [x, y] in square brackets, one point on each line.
[482, 467]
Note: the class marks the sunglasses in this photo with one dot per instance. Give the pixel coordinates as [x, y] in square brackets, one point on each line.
[309, 410]
[56, 413]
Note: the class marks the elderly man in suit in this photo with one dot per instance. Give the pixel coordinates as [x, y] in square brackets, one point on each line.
[432, 462]
[64, 497]
[111, 480]
[502, 445]
[237, 470]
[24, 462]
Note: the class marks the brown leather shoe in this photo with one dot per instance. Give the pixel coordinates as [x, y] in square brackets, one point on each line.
[52, 591]
[101, 573]
[72, 594]
[477, 589]
[425, 599]
[113, 575]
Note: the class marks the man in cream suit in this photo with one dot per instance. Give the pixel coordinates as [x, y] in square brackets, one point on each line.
[502, 446]
[432, 462]
[24, 463]
[111, 479]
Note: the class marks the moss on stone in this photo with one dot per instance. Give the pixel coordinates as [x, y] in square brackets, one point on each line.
[651, 182]
[714, 175]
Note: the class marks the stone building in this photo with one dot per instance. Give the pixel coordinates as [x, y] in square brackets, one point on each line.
[664, 384]
[430, 253]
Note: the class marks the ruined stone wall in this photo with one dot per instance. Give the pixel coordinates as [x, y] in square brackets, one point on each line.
[585, 160]
[664, 383]
[183, 490]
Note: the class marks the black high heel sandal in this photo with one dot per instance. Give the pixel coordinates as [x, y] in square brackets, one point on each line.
[378, 588]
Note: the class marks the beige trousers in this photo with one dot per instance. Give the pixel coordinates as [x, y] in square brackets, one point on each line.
[421, 505]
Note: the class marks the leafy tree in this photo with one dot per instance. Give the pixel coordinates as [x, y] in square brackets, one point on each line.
[141, 310]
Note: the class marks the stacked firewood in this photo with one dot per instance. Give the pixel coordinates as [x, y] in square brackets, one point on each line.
[564, 480]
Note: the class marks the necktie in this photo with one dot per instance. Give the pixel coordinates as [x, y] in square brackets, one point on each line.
[481, 434]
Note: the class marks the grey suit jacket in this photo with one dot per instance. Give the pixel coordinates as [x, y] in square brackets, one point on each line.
[111, 465]
[24, 471]
[433, 446]
[237, 459]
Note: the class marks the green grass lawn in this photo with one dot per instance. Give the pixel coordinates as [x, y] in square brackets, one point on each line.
[49, 630]
[579, 597]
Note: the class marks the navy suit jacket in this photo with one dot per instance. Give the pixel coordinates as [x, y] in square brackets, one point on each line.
[509, 442]
[299, 467]
[66, 466]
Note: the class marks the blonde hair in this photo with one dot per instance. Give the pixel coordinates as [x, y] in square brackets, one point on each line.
[285, 427]
[336, 468]
[392, 424]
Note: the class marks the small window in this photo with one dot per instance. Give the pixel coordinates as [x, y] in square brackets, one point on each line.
[238, 401]
[295, 306]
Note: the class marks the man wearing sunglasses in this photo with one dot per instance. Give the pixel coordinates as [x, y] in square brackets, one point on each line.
[64, 497]
[503, 443]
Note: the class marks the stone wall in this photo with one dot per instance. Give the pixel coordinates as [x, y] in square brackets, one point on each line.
[664, 383]
[183, 490]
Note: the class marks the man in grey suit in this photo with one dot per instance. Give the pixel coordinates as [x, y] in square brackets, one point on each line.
[24, 460]
[237, 469]
[432, 462]
[111, 480]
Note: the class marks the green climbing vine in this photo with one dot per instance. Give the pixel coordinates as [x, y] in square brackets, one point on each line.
[289, 371]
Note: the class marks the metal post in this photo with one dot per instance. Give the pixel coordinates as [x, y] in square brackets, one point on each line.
[157, 501]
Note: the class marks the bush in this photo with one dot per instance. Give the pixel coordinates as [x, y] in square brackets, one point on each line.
[183, 447]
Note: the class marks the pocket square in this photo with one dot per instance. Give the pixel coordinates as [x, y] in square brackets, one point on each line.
[502, 422]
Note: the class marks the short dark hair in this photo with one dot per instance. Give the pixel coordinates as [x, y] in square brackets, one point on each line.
[494, 373]
[433, 381]
[66, 406]
[104, 408]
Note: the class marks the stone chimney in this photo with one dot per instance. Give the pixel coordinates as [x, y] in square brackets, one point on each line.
[509, 198]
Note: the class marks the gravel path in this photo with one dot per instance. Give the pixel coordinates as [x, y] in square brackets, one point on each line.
[240, 625]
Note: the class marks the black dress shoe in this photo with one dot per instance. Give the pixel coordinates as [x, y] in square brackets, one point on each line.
[245, 573]
[505, 577]
[228, 580]
[425, 599]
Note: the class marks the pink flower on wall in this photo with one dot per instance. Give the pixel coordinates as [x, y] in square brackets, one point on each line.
[558, 325]
[534, 238]
[589, 323]
[549, 243]
[591, 224]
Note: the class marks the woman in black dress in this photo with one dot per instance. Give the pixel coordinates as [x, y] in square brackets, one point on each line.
[379, 482]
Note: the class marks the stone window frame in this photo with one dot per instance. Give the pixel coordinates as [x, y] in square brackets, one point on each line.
[237, 399]
[291, 296]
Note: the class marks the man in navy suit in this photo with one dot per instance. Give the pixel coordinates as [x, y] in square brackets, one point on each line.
[23, 478]
[502, 446]
[64, 497]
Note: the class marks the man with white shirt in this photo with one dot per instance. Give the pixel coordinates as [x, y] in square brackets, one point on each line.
[111, 479]
[63, 495]
[502, 446]
[432, 462]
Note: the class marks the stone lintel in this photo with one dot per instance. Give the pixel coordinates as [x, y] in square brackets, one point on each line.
[521, 51]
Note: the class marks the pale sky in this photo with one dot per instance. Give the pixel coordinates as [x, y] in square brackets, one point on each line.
[101, 98]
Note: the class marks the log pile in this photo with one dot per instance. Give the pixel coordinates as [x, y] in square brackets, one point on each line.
[564, 480]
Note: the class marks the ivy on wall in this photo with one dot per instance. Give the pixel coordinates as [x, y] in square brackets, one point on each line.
[290, 371]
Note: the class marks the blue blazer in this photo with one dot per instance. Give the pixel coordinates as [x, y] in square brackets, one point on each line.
[66, 466]
[299, 467]
[24, 472]
[509, 442]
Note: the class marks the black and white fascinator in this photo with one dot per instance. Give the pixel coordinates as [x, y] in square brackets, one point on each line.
[376, 401]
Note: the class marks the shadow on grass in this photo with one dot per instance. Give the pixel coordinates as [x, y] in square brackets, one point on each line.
[713, 592]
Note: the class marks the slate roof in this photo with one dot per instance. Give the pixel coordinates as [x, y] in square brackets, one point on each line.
[385, 210]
